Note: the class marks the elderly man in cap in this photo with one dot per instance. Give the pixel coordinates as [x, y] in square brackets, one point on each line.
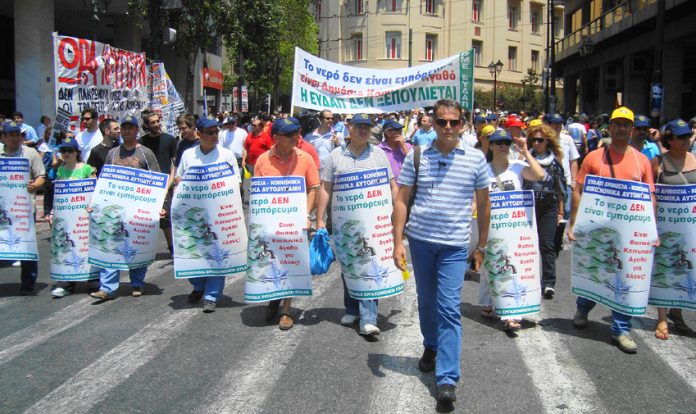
[619, 160]
[325, 138]
[13, 140]
[358, 155]
[640, 139]
[208, 152]
[285, 159]
[394, 146]
[134, 155]
[425, 134]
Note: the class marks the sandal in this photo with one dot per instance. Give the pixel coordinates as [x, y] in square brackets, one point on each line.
[286, 321]
[662, 330]
[679, 324]
[488, 312]
[512, 325]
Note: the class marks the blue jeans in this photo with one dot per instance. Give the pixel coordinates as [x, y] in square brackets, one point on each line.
[366, 309]
[621, 324]
[439, 272]
[109, 279]
[566, 202]
[211, 285]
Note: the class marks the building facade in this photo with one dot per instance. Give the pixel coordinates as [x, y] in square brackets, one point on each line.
[389, 34]
[611, 52]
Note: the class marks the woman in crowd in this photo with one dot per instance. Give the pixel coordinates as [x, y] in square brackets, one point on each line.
[70, 168]
[594, 136]
[506, 175]
[677, 166]
[548, 199]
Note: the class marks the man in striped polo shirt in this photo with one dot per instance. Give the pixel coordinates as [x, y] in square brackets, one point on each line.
[438, 233]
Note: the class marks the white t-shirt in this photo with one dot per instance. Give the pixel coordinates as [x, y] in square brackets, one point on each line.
[233, 140]
[576, 130]
[510, 178]
[467, 141]
[570, 153]
[88, 140]
[194, 157]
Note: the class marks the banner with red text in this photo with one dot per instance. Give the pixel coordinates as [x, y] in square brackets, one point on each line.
[320, 84]
[164, 98]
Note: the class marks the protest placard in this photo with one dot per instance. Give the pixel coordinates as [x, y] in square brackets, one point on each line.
[17, 228]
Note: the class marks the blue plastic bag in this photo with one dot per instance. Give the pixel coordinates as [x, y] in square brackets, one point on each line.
[320, 254]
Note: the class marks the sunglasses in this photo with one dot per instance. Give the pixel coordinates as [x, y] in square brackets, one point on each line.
[538, 140]
[67, 151]
[503, 142]
[210, 131]
[453, 123]
[86, 119]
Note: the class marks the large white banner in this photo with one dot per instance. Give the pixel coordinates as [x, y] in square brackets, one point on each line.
[320, 84]
[361, 212]
[278, 252]
[613, 253]
[673, 283]
[90, 74]
[17, 228]
[70, 231]
[512, 254]
[210, 237]
[124, 223]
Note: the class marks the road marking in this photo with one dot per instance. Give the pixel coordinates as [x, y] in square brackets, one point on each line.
[245, 387]
[561, 383]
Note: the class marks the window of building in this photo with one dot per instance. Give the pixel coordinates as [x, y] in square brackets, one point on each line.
[356, 47]
[512, 58]
[429, 6]
[359, 6]
[393, 45]
[512, 17]
[535, 61]
[392, 6]
[476, 10]
[478, 52]
[535, 21]
[430, 47]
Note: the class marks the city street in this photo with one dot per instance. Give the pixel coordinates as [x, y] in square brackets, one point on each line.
[157, 354]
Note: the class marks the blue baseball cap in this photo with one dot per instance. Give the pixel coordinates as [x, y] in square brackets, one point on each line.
[391, 124]
[492, 117]
[479, 119]
[553, 119]
[129, 120]
[500, 135]
[206, 122]
[11, 126]
[361, 119]
[69, 142]
[641, 121]
[230, 120]
[678, 127]
[285, 126]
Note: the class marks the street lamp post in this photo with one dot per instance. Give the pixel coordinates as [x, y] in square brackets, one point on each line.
[495, 69]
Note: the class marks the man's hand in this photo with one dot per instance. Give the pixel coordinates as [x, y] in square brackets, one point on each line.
[334, 139]
[569, 233]
[31, 187]
[400, 256]
[163, 213]
[478, 257]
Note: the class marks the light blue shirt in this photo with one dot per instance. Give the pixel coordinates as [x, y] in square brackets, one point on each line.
[324, 145]
[650, 150]
[441, 212]
[29, 133]
[423, 138]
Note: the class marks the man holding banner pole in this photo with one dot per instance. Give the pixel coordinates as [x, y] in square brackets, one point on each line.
[438, 229]
[620, 161]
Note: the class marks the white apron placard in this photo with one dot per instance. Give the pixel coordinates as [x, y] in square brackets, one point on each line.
[210, 237]
[512, 254]
[613, 252]
[362, 231]
[124, 223]
[17, 228]
[278, 252]
[673, 283]
[70, 231]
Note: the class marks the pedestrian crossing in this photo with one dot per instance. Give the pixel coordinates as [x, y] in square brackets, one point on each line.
[320, 366]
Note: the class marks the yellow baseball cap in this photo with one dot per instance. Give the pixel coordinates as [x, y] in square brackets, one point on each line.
[487, 130]
[535, 123]
[622, 112]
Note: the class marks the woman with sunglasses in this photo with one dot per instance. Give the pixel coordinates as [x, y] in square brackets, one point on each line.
[548, 199]
[71, 168]
[677, 166]
[506, 175]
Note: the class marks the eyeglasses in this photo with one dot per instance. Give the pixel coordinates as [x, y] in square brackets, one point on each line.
[86, 118]
[503, 142]
[538, 140]
[443, 123]
[67, 151]
[210, 131]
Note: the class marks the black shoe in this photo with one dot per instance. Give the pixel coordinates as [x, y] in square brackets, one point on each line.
[427, 361]
[209, 306]
[70, 287]
[549, 292]
[195, 296]
[446, 393]
[26, 291]
[272, 310]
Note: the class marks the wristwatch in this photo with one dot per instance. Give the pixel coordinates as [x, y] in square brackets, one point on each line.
[481, 249]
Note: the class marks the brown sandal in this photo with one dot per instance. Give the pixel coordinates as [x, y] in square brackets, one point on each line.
[488, 312]
[512, 325]
[286, 321]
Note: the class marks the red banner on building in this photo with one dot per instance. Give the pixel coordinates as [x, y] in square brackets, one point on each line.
[212, 79]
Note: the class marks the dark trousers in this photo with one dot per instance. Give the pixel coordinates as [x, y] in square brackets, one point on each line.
[546, 210]
[30, 270]
[48, 197]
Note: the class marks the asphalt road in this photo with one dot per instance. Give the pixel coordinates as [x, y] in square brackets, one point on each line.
[156, 354]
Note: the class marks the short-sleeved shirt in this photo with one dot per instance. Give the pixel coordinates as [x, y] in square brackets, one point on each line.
[255, 145]
[424, 138]
[631, 165]
[36, 165]
[570, 153]
[233, 140]
[396, 158]
[323, 143]
[309, 149]
[97, 157]
[88, 140]
[342, 161]
[194, 157]
[182, 146]
[164, 148]
[84, 171]
[140, 157]
[650, 150]
[576, 131]
[299, 163]
[30, 133]
[441, 212]
[511, 179]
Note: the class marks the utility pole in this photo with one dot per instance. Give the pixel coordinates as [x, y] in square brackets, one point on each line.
[155, 17]
[657, 88]
[552, 80]
[410, 34]
[549, 5]
[240, 82]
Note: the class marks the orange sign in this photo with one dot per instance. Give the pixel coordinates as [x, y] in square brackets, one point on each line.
[212, 79]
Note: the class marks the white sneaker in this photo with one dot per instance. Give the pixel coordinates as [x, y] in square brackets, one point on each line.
[16, 264]
[348, 320]
[369, 329]
[59, 292]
